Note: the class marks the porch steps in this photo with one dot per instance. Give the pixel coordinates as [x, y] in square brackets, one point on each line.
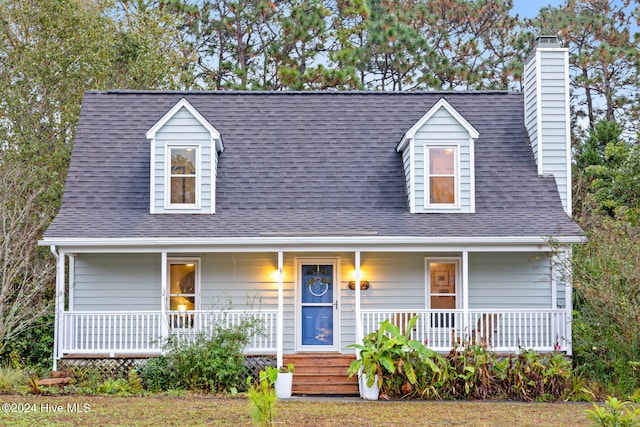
[60, 378]
[322, 374]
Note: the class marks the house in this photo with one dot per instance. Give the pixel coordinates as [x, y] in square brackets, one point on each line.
[331, 211]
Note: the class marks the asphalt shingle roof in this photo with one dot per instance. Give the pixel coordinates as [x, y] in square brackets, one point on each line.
[314, 162]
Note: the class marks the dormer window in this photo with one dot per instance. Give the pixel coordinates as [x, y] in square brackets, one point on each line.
[439, 162]
[441, 170]
[184, 156]
[183, 177]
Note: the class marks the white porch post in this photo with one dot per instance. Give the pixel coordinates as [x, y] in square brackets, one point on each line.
[280, 320]
[567, 255]
[58, 331]
[72, 280]
[359, 332]
[465, 291]
[164, 327]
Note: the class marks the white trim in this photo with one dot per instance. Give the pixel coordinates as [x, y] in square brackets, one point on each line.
[539, 110]
[335, 262]
[183, 260]
[442, 103]
[183, 103]
[152, 178]
[280, 319]
[412, 177]
[188, 207]
[311, 243]
[449, 260]
[72, 280]
[554, 281]
[358, 306]
[472, 176]
[456, 179]
[567, 101]
[164, 285]
[465, 289]
[568, 289]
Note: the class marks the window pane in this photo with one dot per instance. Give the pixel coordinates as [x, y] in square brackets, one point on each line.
[182, 279]
[183, 190]
[181, 303]
[442, 190]
[441, 161]
[443, 280]
[183, 161]
[443, 303]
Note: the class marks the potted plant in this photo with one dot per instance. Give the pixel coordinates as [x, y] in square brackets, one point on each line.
[388, 352]
[284, 381]
[368, 365]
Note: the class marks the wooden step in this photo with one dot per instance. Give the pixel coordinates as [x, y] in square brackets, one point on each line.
[54, 381]
[322, 374]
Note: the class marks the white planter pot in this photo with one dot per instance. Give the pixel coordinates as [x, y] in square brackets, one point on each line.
[283, 385]
[369, 393]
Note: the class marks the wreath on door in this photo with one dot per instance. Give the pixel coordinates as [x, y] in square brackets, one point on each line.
[318, 286]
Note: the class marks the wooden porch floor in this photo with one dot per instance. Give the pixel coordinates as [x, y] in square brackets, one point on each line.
[322, 373]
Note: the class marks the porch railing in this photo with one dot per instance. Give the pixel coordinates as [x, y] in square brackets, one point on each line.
[498, 330]
[142, 332]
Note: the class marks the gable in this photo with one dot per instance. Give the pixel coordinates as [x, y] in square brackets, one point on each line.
[441, 128]
[181, 132]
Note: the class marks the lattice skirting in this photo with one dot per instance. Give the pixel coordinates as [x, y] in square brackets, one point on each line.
[120, 367]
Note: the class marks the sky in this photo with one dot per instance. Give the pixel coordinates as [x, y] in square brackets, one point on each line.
[530, 8]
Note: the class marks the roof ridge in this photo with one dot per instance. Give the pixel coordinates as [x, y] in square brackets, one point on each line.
[309, 92]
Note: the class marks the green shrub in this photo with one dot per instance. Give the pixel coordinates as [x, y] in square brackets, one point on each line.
[471, 372]
[615, 414]
[211, 361]
[33, 349]
[157, 375]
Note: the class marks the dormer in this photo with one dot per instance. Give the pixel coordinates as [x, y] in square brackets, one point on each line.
[438, 158]
[184, 160]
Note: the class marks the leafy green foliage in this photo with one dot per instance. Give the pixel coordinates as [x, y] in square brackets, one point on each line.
[614, 414]
[395, 358]
[212, 361]
[132, 386]
[262, 396]
[157, 375]
[406, 367]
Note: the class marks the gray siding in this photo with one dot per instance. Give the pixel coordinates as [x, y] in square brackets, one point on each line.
[117, 282]
[441, 129]
[550, 103]
[183, 128]
[509, 280]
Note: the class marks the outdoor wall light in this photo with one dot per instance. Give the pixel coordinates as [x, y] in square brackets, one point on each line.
[364, 285]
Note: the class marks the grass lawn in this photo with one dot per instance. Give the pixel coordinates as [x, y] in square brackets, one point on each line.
[234, 411]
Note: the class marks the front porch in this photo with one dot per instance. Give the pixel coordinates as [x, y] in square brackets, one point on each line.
[113, 334]
[309, 302]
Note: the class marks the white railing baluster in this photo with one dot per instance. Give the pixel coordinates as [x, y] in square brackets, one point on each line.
[500, 330]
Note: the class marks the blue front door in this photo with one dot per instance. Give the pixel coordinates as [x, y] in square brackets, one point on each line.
[318, 306]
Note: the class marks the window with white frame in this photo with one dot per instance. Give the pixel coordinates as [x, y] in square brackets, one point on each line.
[443, 289]
[441, 176]
[183, 284]
[183, 176]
